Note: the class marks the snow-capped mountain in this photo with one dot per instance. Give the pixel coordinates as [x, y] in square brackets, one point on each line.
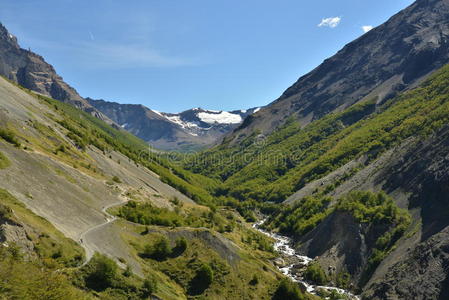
[198, 121]
[191, 129]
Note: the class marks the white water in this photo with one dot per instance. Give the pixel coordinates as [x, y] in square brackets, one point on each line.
[283, 246]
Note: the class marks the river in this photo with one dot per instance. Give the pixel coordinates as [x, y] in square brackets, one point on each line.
[292, 264]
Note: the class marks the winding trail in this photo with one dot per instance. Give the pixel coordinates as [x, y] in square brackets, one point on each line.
[82, 240]
[296, 263]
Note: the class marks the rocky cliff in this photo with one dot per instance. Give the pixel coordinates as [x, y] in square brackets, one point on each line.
[388, 59]
[31, 71]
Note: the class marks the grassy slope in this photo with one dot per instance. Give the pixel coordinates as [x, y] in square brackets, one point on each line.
[84, 129]
[4, 161]
[36, 276]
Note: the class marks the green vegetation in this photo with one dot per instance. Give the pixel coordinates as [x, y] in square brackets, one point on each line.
[315, 274]
[116, 179]
[102, 275]
[84, 130]
[301, 217]
[147, 214]
[159, 250]
[9, 136]
[4, 161]
[202, 280]
[33, 274]
[29, 280]
[386, 221]
[50, 245]
[377, 213]
[293, 156]
[331, 295]
[288, 290]
[343, 280]
[100, 272]
[187, 252]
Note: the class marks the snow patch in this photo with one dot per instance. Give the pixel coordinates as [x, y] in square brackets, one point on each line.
[223, 117]
[158, 112]
[186, 125]
[256, 110]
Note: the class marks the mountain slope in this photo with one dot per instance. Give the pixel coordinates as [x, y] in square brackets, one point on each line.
[191, 129]
[398, 147]
[388, 59]
[31, 71]
[101, 189]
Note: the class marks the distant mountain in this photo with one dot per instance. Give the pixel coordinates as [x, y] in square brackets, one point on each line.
[191, 129]
[31, 71]
[391, 58]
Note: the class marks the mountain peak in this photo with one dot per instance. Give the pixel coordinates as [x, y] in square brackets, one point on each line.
[191, 129]
[31, 71]
[381, 63]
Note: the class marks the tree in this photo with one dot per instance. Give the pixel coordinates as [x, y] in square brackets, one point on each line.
[180, 246]
[202, 280]
[160, 250]
[315, 273]
[288, 290]
[149, 286]
[101, 272]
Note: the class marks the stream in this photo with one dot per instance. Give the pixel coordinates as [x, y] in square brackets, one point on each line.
[292, 264]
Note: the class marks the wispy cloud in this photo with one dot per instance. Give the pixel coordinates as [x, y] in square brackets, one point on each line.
[330, 22]
[100, 54]
[367, 28]
[111, 55]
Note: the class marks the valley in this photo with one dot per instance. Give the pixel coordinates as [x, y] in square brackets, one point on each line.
[335, 190]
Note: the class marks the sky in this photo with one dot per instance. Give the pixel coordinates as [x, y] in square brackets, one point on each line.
[175, 55]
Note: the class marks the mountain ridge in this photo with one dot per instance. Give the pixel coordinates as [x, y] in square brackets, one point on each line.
[31, 71]
[388, 59]
[191, 129]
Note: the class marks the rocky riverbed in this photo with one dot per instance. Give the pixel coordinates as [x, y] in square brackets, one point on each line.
[293, 265]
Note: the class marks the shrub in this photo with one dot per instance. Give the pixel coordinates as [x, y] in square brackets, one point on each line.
[101, 272]
[116, 179]
[202, 280]
[288, 290]
[159, 250]
[9, 136]
[180, 246]
[149, 286]
[5, 212]
[254, 280]
[4, 161]
[128, 271]
[315, 273]
[343, 279]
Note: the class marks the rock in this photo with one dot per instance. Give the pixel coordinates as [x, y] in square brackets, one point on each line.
[279, 262]
[32, 72]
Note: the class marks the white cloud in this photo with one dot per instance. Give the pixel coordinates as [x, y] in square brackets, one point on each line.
[330, 22]
[367, 28]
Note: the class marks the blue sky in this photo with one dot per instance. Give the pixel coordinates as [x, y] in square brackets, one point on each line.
[174, 55]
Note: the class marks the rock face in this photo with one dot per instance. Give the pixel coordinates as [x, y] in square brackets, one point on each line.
[191, 129]
[386, 60]
[416, 175]
[32, 72]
